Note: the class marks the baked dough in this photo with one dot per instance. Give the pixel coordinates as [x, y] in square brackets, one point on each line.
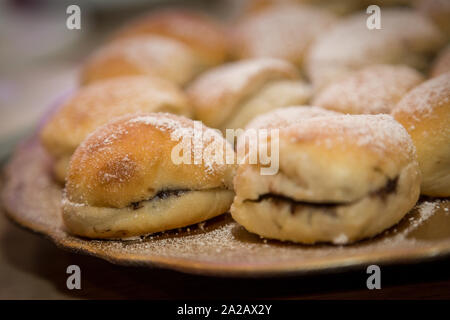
[96, 104]
[341, 178]
[371, 90]
[283, 32]
[406, 37]
[146, 55]
[123, 183]
[284, 117]
[442, 63]
[202, 34]
[425, 113]
[231, 95]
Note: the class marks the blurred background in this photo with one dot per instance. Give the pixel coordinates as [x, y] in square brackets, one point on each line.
[39, 55]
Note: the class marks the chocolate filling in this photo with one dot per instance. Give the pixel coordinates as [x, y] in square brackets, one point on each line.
[387, 189]
[294, 205]
[327, 207]
[162, 195]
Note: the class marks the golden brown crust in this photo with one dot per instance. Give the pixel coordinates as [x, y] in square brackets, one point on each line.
[130, 160]
[146, 55]
[425, 113]
[275, 32]
[371, 90]
[217, 93]
[96, 104]
[199, 32]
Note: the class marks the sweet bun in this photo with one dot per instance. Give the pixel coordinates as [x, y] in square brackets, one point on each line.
[201, 33]
[341, 178]
[442, 63]
[147, 55]
[425, 113]
[371, 90]
[405, 38]
[283, 32]
[123, 181]
[96, 104]
[231, 95]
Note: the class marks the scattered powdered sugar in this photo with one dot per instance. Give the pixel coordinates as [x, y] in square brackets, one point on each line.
[423, 99]
[190, 27]
[341, 239]
[34, 199]
[425, 211]
[232, 78]
[155, 55]
[284, 117]
[372, 90]
[350, 45]
[195, 134]
[177, 129]
[275, 32]
[379, 132]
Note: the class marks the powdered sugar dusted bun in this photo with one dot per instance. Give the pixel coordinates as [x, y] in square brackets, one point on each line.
[283, 32]
[341, 179]
[96, 104]
[425, 113]
[284, 117]
[371, 90]
[205, 36]
[231, 95]
[147, 55]
[123, 180]
[405, 38]
[442, 63]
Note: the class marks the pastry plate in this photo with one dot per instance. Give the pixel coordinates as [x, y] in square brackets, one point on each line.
[219, 247]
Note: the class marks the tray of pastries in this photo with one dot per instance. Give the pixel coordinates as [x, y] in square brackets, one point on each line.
[293, 139]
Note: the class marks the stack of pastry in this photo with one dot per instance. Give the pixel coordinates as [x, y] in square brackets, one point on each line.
[359, 121]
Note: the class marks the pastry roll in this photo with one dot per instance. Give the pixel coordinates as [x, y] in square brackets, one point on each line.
[371, 90]
[96, 104]
[405, 37]
[283, 32]
[147, 55]
[124, 181]
[231, 95]
[202, 34]
[341, 178]
[442, 63]
[425, 113]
